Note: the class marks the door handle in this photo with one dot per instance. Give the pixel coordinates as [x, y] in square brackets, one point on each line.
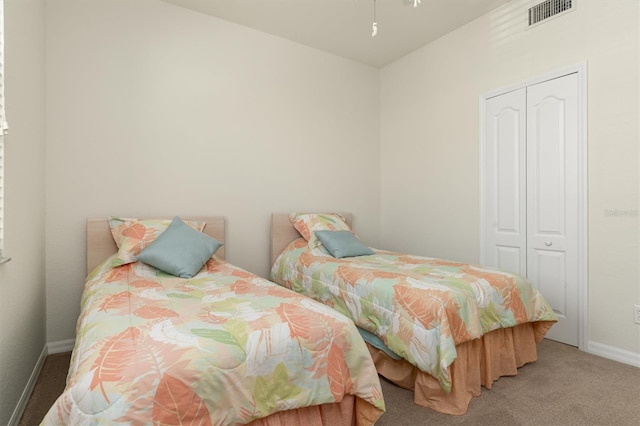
[548, 243]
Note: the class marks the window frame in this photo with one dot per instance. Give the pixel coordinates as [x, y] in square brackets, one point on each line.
[4, 127]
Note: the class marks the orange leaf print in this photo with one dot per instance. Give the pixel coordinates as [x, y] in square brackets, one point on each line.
[144, 284]
[299, 322]
[513, 301]
[411, 260]
[298, 243]
[242, 287]
[307, 259]
[507, 287]
[338, 373]
[457, 326]
[135, 231]
[278, 291]
[241, 274]
[119, 301]
[496, 280]
[303, 326]
[116, 354]
[418, 304]
[211, 317]
[175, 403]
[118, 273]
[429, 309]
[146, 377]
[312, 333]
[223, 268]
[355, 276]
[442, 262]
[151, 361]
[152, 312]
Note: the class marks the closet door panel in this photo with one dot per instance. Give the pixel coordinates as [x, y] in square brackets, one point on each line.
[552, 204]
[548, 168]
[505, 181]
[549, 267]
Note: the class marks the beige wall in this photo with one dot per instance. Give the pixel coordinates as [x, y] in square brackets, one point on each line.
[157, 110]
[429, 142]
[22, 283]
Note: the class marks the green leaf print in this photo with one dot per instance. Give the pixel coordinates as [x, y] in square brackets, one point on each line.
[221, 336]
[269, 390]
[238, 330]
[180, 296]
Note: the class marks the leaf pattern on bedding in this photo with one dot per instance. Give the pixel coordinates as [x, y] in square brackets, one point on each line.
[308, 259]
[355, 276]
[220, 336]
[118, 352]
[312, 333]
[136, 231]
[224, 347]
[423, 307]
[118, 301]
[271, 390]
[145, 284]
[152, 360]
[150, 312]
[175, 403]
[118, 274]
[337, 373]
[420, 307]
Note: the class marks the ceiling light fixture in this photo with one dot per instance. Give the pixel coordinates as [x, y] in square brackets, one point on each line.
[374, 25]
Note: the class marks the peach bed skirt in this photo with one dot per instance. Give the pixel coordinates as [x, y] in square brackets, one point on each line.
[480, 362]
[351, 411]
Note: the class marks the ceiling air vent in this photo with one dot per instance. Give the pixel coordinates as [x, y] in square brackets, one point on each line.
[549, 9]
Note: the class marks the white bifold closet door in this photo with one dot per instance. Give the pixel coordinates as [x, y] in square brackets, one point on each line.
[531, 192]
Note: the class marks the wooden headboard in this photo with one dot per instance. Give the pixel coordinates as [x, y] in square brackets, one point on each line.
[100, 244]
[283, 232]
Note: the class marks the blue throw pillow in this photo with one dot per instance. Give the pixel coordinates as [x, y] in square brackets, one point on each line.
[342, 244]
[180, 250]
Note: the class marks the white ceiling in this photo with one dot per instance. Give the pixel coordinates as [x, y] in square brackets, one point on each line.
[343, 27]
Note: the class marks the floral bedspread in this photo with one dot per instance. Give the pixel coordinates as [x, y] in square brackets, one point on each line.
[224, 347]
[420, 307]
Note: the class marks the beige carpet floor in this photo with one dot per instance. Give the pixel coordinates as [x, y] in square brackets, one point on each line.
[564, 387]
[48, 388]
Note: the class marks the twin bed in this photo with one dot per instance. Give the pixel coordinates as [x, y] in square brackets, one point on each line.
[224, 346]
[441, 328]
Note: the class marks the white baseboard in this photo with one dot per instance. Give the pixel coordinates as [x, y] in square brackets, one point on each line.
[26, 394]
[615, 354]
[60, 346]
